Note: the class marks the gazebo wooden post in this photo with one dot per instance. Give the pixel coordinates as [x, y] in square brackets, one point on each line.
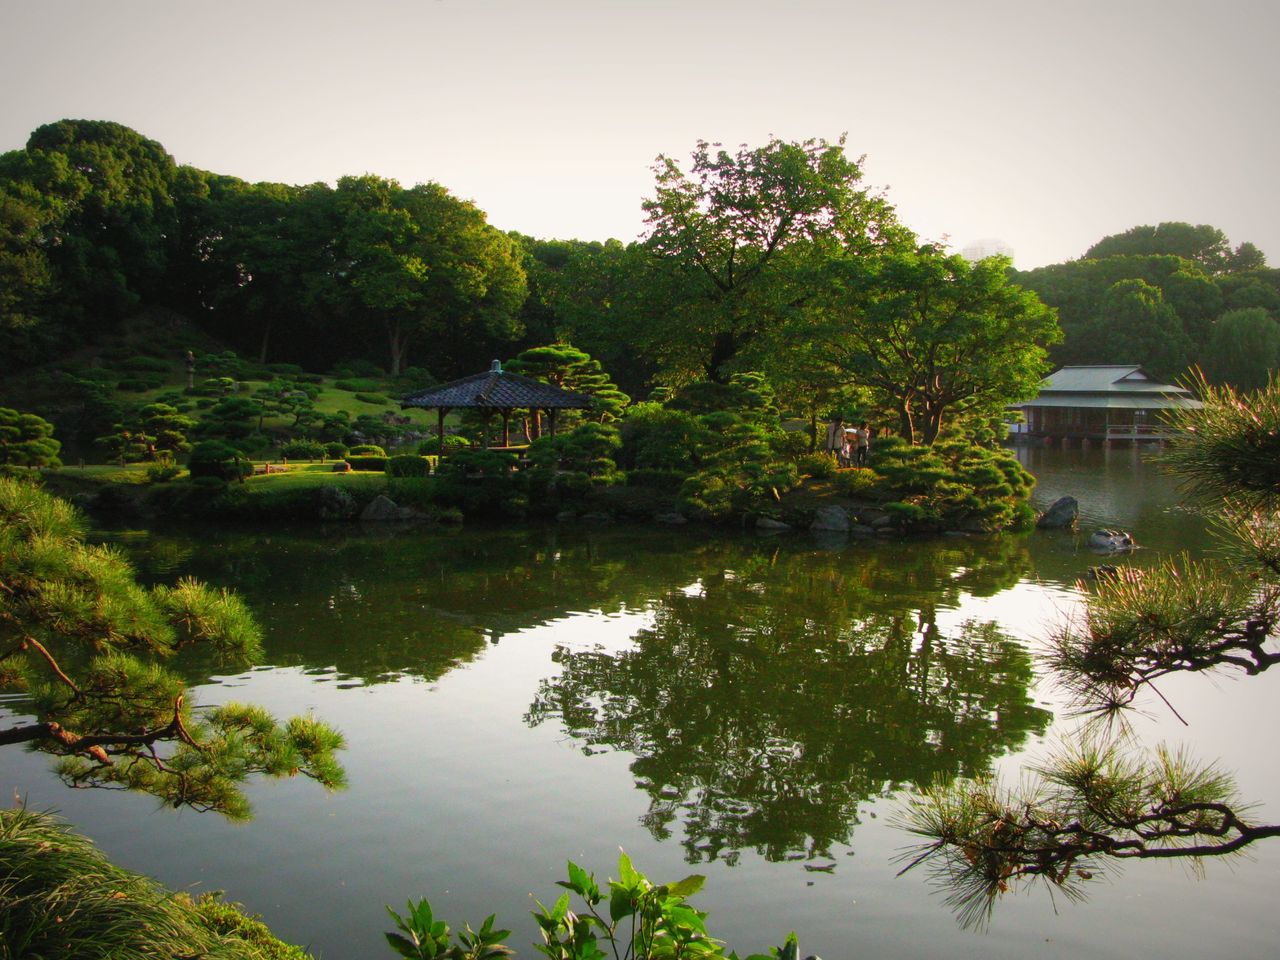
[506, 426]
[551, 417]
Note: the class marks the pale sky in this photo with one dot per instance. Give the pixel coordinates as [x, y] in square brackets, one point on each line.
[1046, 125]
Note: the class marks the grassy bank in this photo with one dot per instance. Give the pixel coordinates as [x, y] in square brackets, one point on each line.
[60, 897]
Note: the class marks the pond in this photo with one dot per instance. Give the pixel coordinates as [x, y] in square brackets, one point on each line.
[750, 708]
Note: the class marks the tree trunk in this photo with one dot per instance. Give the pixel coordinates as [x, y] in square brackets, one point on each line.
[906, 425]
[266, 342]
[933, 416]
[398, 341]
[723, 349]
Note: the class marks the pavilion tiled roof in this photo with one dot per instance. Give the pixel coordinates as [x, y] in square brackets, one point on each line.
[1110, 386]
[497, 390]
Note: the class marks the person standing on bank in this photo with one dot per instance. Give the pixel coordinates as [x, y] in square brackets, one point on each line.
[864, 443]
[835, 436]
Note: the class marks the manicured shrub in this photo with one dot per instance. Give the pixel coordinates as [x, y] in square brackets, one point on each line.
[26, 440]
[356, 386]
[303, 450]
[374, 398]
[820, 466]
[215, 458]
[215, 387]
[146, 365]
[408, 466]
[138, 384]
[162, 472]
[336, 450]
[370, 463]
[367, 450]
[858, 482]
[452, 442]
[655, 479]
[356, 368]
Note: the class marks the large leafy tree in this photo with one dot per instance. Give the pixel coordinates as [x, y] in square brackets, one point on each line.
[1201, 243]
[1136, 325]
[734, 241]
[86, 646]
[426, 267]
[933, 336]
[114, 224]
[1243, 349]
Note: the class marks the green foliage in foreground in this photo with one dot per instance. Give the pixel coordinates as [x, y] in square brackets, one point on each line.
[84, 646]
[631, 918]
[60, 897]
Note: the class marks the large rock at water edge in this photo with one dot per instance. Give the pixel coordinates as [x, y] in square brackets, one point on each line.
[1064, 513]
[384, 508]
[831, 517]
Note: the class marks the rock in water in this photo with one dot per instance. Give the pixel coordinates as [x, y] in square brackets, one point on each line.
[1112, 541]
[1064, 513]
[384, 508]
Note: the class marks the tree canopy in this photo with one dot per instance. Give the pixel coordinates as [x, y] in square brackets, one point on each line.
[733, 242]
[934, 335]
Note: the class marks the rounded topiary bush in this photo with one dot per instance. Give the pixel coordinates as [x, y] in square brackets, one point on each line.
[408, 466]
[213, 458]
[370, 463]
[303, 450]
[452, 442]
[367, 450]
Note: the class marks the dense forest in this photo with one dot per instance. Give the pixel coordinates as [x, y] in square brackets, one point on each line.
[773, 259]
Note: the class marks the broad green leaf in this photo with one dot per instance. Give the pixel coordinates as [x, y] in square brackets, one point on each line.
[686, 887]
[403, 946]
[621, 903]
[627, 874]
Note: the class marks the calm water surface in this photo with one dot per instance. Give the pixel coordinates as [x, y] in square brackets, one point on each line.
[750, 708]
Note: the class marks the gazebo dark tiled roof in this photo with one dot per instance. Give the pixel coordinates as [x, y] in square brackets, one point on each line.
[497, 390]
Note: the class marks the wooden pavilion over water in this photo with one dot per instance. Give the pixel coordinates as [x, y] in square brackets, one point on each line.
[1107, 403]
[497, 392]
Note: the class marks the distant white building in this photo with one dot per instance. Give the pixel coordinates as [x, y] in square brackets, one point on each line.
[987, 247]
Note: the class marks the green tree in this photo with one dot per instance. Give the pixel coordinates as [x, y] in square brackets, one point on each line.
[85, 644]
[25, 274]
[1243, 349]
[426, 266]
[1203, 244]
[26, 440]
[111, 191]
[934, 336]
[1135, 325]
[733, 243]
[565, 366]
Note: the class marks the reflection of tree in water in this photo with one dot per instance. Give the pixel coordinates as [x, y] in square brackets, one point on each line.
[766, 705]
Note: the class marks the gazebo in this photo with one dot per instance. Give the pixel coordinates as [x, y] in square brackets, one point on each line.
[497, 392]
